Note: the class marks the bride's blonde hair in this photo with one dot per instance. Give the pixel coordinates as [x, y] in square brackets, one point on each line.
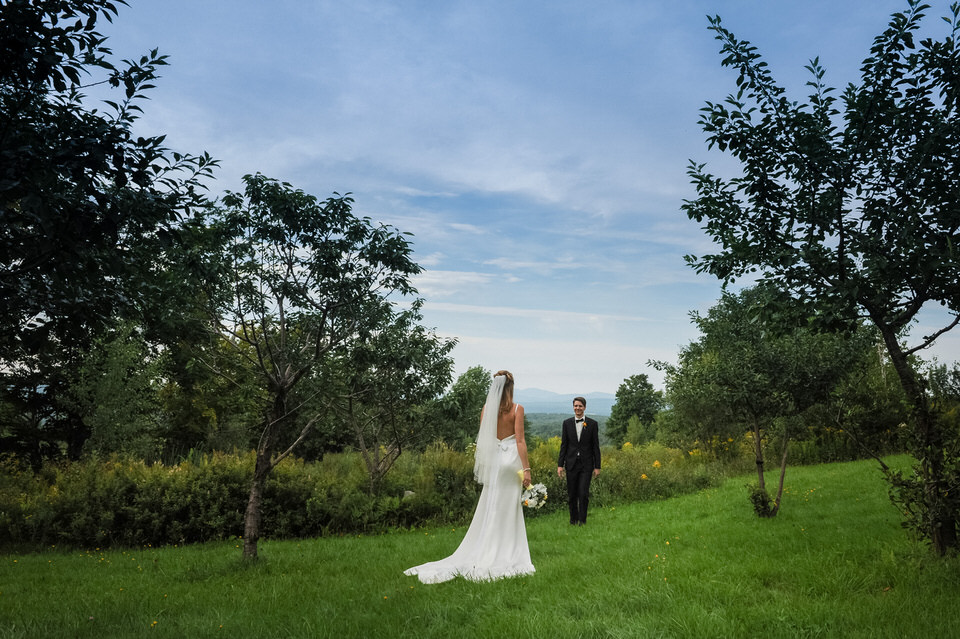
[506, 399]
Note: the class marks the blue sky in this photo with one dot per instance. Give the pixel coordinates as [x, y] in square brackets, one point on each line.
[536, 149]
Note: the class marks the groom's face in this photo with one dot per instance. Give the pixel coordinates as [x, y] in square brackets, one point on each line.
[578, 409]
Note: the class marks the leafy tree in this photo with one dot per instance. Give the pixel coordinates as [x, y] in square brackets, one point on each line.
[868, 408]
[384, 382]
[945, 384]
[303, 276]
[639, 432]
[203, 409]
[78, 191]
[637, 398]
[457, 412]
[115, 392]
[852, 206]
[89, 210]
[756, 381]
[33, 424]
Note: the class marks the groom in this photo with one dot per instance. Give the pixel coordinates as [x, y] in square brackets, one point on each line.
[579, 459]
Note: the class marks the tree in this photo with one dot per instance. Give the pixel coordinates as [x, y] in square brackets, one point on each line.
[203, 409]
[853, 214]
[385, 380]
[868, 409]
[89, 210]
[301, 277]
[636, 397]
[33, 423]
[756, 380]
[457, 413]
[116, 393]
[78, 190]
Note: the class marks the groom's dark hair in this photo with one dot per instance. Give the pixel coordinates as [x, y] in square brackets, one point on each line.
[581, 400]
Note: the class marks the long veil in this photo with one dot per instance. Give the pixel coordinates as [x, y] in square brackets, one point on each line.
[485, 457]
[495, 544]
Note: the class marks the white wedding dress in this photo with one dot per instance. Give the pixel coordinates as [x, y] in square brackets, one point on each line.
[495, 545]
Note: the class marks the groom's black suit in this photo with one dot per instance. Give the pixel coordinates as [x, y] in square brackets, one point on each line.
[578, 458]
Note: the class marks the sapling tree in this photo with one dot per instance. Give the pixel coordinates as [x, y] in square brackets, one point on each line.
[740, 377]
[384, 382]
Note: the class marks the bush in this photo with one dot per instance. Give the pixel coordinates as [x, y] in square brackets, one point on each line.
[123, 502]
[543, 470]
[649, 472]
[762, 504]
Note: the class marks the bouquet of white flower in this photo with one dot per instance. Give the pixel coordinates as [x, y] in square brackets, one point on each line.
[534, 496]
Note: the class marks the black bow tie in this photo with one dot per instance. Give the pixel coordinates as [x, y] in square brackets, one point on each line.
[579, 421]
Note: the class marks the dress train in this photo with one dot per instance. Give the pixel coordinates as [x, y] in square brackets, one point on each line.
[495, 545]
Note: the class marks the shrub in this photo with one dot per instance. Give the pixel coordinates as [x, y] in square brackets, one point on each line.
[123, 502]
[648, 472]
[543, 469]
[762, 504]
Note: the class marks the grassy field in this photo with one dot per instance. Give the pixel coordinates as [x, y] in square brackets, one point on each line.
[834, 563]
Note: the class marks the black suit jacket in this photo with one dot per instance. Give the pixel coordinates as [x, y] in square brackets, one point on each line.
[586, 451]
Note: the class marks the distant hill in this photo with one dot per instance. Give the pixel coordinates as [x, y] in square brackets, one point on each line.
[536, 400]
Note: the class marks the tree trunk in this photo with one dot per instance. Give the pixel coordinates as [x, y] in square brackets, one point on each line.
[940, 514]
[783, 473]
[758, 452]
[253, 514]
[367, 454]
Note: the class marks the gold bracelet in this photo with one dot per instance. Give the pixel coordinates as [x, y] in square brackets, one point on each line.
[526, 469]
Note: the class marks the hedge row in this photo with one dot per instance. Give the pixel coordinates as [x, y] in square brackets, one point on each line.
[120, 502]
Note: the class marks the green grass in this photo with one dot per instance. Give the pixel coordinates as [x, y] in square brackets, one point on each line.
[834, 563]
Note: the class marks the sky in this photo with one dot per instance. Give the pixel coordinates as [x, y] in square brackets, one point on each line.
[536, 149]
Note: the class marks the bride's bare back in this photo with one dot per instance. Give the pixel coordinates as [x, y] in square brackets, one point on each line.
[507, 421]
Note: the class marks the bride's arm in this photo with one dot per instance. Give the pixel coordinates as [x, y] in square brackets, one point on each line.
[522, 445]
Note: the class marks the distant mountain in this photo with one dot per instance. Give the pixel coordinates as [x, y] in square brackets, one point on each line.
[536, 400]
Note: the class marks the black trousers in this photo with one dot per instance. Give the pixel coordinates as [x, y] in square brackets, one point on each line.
[578, 492]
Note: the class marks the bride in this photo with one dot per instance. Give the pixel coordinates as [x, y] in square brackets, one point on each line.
[495, 545]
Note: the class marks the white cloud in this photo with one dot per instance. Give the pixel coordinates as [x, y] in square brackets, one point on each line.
[472, 229]
[430, 260]
[437, 284]
[541, 267]
[507, 311]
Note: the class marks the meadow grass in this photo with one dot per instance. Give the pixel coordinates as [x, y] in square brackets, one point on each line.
[834, 563]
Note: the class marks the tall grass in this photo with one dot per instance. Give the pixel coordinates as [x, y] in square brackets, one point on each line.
[833, 563]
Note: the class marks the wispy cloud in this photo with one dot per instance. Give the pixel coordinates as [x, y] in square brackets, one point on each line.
[433, 284]
[536, 151]
[540, 267]
[528, 313]
[471, 229]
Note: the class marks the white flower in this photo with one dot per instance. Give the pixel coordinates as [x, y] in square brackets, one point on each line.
[534, 496]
